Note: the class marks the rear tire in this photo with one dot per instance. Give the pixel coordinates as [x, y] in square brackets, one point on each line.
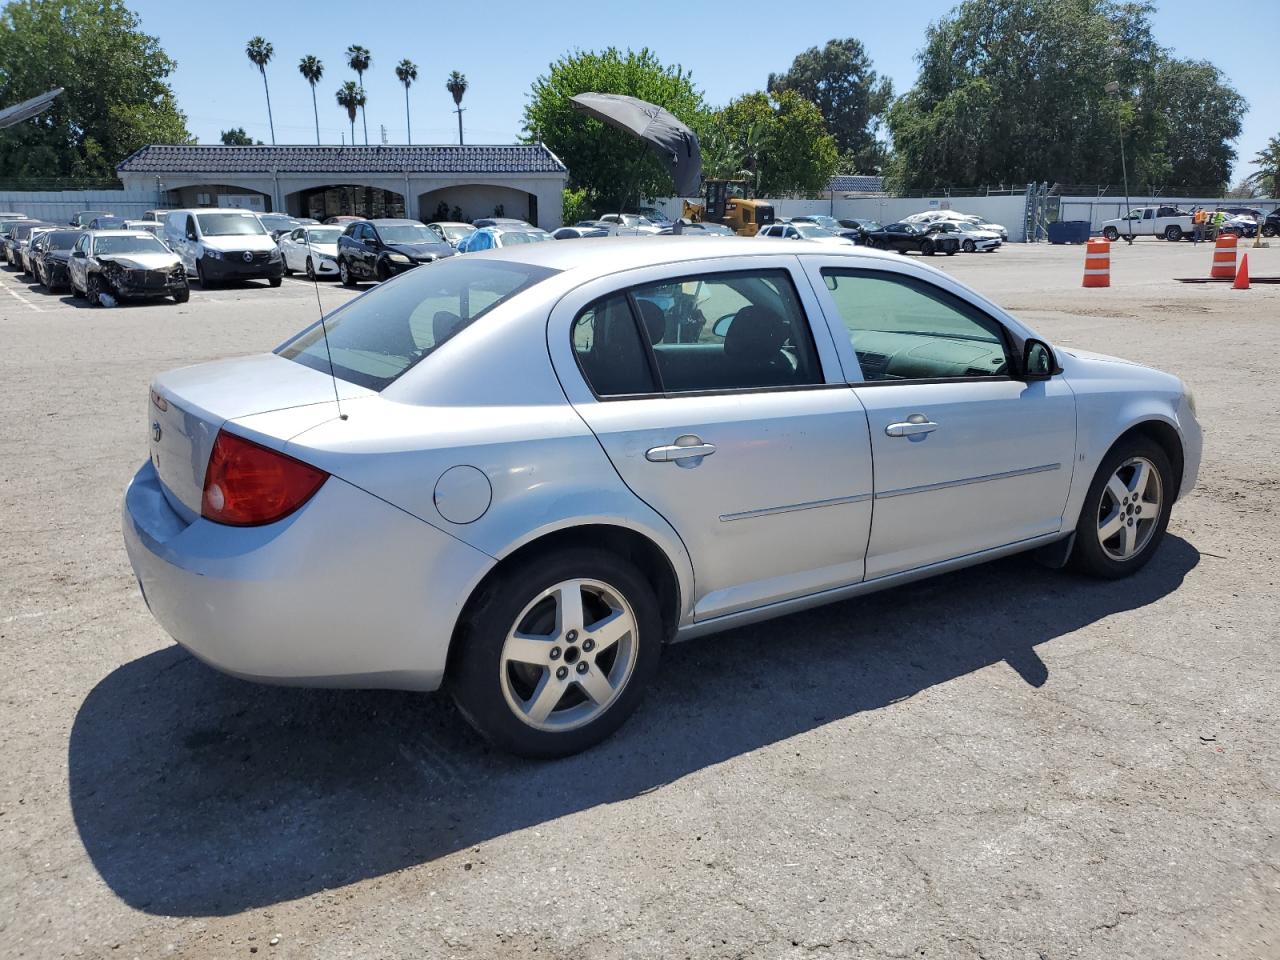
[1116, 535]
[539, 706]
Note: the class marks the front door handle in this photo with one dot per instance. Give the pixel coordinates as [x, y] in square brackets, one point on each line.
[916, 425]
[689, 450]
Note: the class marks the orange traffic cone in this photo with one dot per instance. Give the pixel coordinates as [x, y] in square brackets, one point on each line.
[1242, 277]
[1097, 264]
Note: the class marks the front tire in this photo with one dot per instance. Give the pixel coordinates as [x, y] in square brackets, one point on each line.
[93, 291]
[1173, 233]
[182, 296]
[344, 274]
[275, 281]
[970, 246]
[1125, 512]
[311, 270]
[927, 248]
[556, 652]
[1111, 234]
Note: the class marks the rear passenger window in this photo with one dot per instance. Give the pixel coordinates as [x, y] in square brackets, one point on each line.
[903, 328]
[610, 351]
[718, 332]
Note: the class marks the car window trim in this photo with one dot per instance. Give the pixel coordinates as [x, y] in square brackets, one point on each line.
[651, 357]
[1006, 337]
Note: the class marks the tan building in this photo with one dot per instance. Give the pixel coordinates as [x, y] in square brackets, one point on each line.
[524, 181]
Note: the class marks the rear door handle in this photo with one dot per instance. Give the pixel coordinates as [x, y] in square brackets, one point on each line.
[685, 448]
[915, 425]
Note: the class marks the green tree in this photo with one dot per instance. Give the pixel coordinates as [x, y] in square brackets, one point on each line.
[1267, 176]
[457, 86]
[359, 59]
[260, 52]
[576, 207]
[350, 97]
[1201, 113]
[615, 168]
[236, 137]
[780, 143]
[117, 95]
[1011, 91]
[312, 69]
[406, 73]
[839, 80]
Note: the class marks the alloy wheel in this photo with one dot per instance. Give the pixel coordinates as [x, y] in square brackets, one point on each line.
[569, 655]
[1129, 511]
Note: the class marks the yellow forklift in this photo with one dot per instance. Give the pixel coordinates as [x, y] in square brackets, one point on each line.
[726, 202]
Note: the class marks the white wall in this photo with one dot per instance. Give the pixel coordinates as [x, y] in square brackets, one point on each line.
[58, 206]
[1110, 208]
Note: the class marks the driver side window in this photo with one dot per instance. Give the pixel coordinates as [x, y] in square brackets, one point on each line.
[903, 328]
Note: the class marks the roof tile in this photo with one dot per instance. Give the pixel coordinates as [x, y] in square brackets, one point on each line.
[438, 158]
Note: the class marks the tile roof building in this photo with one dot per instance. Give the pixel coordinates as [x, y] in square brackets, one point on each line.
[440, 181]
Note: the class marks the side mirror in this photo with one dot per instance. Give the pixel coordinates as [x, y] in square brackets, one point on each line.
[1038, 361]
[78, 253]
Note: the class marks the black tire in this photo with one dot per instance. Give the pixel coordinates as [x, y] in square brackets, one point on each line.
[382, 272]
[1088, 555]
[952, 251]
[1173, 233]
[288, 270]
[927, 248]
[475, 662]
[345, 275]
[206, 283]
[311, 270]
[1111, 234]
[970, 246]
[93, 290]
[1268, 230]
[183, 295]
[275, 281]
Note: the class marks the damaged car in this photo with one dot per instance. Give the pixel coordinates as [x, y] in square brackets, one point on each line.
[121, 265]
[50, 253]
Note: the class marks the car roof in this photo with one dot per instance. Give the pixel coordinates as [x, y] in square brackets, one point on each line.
[626, 253]
[395, 222]
[448, 223]
[120, 233]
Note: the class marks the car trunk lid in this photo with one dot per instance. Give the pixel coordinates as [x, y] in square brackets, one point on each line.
[188, 406]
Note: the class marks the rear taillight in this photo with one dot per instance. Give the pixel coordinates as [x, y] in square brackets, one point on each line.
[247, 484]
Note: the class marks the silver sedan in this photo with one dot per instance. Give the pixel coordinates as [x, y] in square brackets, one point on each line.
[523, 472]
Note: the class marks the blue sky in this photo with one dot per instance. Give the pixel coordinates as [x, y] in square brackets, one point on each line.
[502, 46]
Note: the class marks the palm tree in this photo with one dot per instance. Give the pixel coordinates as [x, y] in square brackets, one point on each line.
[457, 85]
[1267, 176]
[261, 52]
[407, 71]
[351, 97]
[311, 68]
[358, 58]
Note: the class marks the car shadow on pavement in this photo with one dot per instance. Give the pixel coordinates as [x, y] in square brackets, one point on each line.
[196, 794]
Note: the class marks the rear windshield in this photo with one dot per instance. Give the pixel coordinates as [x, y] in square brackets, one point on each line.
[229, 224]
[376, 338]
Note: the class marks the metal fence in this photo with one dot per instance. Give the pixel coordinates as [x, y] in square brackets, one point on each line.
[58, 206]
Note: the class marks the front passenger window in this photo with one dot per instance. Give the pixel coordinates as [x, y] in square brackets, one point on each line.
[903, 328]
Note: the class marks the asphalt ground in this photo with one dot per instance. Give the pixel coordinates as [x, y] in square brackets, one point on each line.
[1006, 762]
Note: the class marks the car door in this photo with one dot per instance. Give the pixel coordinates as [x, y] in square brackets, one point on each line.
[967, 458]
[288, 244]
[740, 433]
[76, 272]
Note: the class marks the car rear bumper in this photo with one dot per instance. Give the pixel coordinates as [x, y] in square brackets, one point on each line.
[348, 591]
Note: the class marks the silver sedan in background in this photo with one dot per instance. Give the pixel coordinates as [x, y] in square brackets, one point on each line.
[522, 472]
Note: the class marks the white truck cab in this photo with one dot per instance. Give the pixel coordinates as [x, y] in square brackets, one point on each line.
[1168, 222]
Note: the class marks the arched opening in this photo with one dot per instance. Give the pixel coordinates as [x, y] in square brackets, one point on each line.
[218, 195]
[345, 200]
[473, 201]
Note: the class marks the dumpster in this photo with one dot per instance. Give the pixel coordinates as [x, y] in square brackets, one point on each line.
[1069, 231]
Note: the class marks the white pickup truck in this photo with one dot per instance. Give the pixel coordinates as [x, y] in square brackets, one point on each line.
[1168, 222]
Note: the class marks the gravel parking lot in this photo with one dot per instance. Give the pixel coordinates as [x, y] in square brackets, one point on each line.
[1006, 762]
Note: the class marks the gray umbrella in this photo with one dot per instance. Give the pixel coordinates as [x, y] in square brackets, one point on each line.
[27, 108]
[666, 136]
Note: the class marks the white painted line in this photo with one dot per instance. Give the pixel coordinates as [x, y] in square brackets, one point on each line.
[21, 299]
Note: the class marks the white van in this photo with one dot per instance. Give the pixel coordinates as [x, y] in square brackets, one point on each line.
[217, 244]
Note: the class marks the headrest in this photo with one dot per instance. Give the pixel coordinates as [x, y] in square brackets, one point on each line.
[443, 326]
[655, 321]
[755, 332]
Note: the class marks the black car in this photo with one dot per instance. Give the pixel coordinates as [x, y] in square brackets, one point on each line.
[1271, 225]
[278, 224]
[6, 233]
[86, 217]
[508, 223]
[579, 233]
[904, 237]
[859, 226]
[106, 222]
[52, 250]
[19, 237]
[379, 249]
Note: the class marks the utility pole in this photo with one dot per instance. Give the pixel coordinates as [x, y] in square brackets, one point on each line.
[1113, 89]
[384, 134]
[458, 111]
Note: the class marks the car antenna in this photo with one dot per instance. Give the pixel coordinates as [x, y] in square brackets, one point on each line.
[324, 330]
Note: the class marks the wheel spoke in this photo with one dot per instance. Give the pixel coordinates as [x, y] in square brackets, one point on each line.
[569, 607]
[1141, 477]
[526, 649]
[1130, 539]
[545, 697]
[596, 685]
[610, 630]
[1111, 526]
[1117, 489]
